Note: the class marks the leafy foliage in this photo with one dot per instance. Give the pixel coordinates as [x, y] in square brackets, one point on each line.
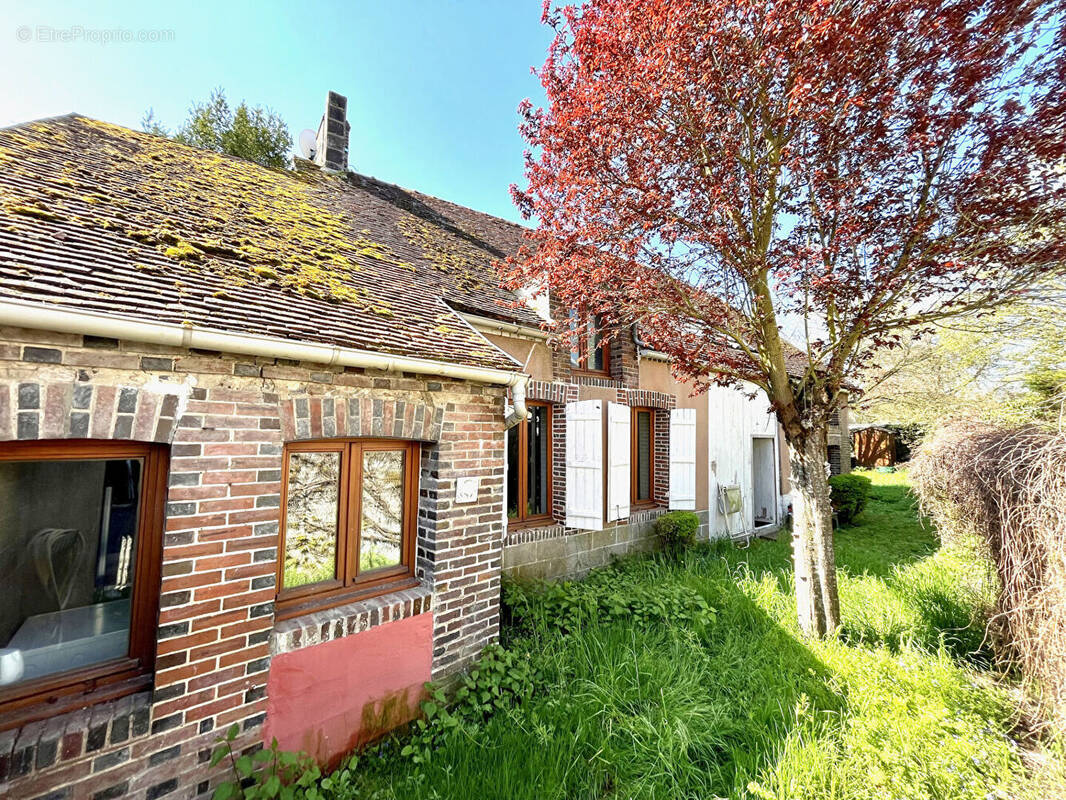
[499, 680]
[849, 494]
[677, 530]
[266, 773]
[1007, 367]
[605, 596]
[257, 134]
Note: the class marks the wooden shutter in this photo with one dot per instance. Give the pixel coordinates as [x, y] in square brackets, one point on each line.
[683, 459]
[584, 464]
[618, 471]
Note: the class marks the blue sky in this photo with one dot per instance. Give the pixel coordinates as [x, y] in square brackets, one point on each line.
[432, 85]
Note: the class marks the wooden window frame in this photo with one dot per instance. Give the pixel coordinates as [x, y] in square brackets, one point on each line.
[633, 461]
[524, 520]
[351, 585]
[580, 339]
[49, 695]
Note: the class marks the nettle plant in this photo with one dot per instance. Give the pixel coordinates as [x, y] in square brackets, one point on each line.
[711, 169]
[267, 772]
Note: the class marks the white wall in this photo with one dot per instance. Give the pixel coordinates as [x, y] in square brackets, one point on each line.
[733, 420]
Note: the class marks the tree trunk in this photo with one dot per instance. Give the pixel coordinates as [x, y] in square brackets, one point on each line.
[817, 604]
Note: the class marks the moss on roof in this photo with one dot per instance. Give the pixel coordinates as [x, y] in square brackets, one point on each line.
[223, 241]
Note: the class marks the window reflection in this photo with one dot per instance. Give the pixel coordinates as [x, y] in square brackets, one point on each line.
[311, 506]
[382, 510]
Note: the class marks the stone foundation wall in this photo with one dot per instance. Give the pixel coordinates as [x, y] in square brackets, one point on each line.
[556, 552]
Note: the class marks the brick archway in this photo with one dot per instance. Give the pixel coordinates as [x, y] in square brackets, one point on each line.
[43, 409]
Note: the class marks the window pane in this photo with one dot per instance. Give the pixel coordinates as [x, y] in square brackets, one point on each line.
[382, 523]
[538, 455]
[643, 455]
[512, 472]
[68, 533]
[596, 360]
[575, 342]
[312, 501]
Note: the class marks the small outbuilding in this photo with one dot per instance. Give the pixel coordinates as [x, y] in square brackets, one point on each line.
[875, 446]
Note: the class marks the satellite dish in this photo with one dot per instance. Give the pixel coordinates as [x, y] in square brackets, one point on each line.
[308, 140]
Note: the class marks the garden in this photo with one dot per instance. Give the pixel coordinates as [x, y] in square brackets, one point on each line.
[683, 675]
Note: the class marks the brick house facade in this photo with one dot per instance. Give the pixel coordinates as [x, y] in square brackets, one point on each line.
[225, 420]
[208, 326]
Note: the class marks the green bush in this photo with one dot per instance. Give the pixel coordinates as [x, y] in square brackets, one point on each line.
[605, 596]
[849, 494]
[498, 681]
[677, 529]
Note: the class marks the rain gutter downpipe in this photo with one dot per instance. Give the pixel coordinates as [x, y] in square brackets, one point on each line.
[90, 323]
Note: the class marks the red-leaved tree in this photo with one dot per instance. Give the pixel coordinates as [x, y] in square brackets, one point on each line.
[713, 170]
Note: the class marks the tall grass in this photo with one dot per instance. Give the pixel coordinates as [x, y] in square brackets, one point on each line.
[742, 706]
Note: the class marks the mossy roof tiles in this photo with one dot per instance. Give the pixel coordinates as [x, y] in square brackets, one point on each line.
[98, 217]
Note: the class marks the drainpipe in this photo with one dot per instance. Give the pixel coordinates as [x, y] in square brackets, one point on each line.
[89, 323]
[518, 406]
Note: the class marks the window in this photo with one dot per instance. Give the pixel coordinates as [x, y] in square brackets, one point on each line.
[529, 472]
[643, 457]
[348, 522]
[589, 351]
[80, 548]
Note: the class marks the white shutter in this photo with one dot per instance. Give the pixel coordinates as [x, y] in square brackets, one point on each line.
[584, 464]
[618, 454]
[683, 459]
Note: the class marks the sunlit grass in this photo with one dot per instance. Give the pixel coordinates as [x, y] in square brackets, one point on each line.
[744, 707]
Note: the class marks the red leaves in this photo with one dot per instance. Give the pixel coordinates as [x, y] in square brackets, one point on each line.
[863, 167]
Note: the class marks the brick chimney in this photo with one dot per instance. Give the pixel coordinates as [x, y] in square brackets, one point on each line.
[331, 143]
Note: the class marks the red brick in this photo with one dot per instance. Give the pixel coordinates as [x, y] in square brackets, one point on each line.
[221, 590]
[188, 612]
[221, 562]
[182, 703]
[228, 476]
[179, 643]
[191, 581]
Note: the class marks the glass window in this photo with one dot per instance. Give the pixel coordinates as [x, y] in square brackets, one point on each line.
[529, 466]
[382, 509]
[589, 350]
[311, 509]
[350, 508]
[597, 347]
[75, 522]
[576, 343]
[643, 455]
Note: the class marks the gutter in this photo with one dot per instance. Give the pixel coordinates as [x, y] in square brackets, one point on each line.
[90, 323]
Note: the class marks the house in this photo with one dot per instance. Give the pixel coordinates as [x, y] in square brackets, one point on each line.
[269, 440]
[235, 407]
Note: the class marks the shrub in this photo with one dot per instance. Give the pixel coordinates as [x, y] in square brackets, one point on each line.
[677, 529]
[606, 595]
[849, 494]
[499, 680]
[1006, 490]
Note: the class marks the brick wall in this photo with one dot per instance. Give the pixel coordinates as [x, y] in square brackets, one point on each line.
[226, 420]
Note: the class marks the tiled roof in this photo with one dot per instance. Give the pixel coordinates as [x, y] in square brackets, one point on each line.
[98, 217]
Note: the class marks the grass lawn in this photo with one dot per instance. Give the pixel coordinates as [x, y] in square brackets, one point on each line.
[737, 705]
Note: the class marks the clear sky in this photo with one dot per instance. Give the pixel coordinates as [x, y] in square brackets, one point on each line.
[432, 85]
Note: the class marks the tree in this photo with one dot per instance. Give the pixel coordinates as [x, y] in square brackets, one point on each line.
[256, 134]
[1007, 367]
[711, 169]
